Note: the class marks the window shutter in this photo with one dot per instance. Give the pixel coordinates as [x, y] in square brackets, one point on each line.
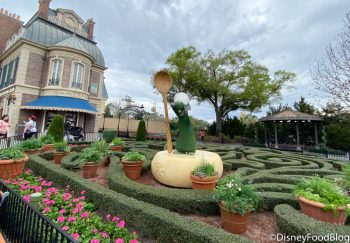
[15, 71]
[4, 72]
[9, 73]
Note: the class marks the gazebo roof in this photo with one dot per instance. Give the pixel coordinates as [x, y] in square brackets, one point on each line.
[291, 115]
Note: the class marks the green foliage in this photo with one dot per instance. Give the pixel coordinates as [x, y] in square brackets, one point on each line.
[91, 155]
[108, 135]
[292, 222]
[154, 221]
[61, 147]
[71, 162]
[118, 142]
[56, 128]
[141, 131]
[303, 106]
[31, 144]
[101, 146]
[47, 139]
[236, 196]
[204, 169]
[323, 191]
[133, 156]
[11, 153]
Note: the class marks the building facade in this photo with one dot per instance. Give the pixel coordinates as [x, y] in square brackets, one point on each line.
[51, 65]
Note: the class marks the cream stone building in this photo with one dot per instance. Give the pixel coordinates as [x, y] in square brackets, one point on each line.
[51, 65]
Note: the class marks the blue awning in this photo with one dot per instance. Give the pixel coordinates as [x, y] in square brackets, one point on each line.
[60, 103]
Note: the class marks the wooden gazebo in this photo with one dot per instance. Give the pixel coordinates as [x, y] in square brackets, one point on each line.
[290, 116]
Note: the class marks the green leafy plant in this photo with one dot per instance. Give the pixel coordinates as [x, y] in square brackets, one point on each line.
[141, 131]
[91, 156]
[236, 196]
[204, 169]
[108, 135]
[133, 156]
[118, 142]
[31, 144]
[11, 153]
[101, 146]
[47, 139]
[324, 191]
[61, 147]
[56, 128]
[346, 170]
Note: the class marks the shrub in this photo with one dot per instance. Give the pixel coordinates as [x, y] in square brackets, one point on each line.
[323, 191]
[11, 153]
[47, 139]
[72, 162]
[236, 196]
[61, 147]
[56, 128]
[133, 156]
[204, 169]
[91, 156]
[118, 142]
[141, 131]
[101, 146]
[31, 144]
[108, 135]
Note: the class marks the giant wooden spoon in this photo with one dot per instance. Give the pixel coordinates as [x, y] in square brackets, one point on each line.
[163, 82]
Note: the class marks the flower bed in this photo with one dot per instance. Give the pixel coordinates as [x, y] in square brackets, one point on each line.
[72, 212]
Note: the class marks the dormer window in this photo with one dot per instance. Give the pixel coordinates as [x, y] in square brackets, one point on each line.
[56, 70]
[77, 77]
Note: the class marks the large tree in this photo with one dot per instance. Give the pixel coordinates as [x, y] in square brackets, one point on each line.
[228, 80]
[331, 73]
[303, 106]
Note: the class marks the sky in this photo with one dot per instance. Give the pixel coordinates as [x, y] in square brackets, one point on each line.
[137, 36]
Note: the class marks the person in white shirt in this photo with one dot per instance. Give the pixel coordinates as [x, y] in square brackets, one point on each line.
[30, 127]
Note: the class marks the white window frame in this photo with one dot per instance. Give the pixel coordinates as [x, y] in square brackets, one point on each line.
[73, 83]
[59, 74]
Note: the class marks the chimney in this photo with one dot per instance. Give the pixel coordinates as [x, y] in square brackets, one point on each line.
[90, 28]
[44, 8]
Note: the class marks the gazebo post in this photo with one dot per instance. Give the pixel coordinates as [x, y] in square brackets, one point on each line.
[276, 142]
[266, 145]
[316, 136]
[298, 140]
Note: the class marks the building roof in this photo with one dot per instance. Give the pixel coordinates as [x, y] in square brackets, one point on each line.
[104, 91]
[291, 115]
[73, 42]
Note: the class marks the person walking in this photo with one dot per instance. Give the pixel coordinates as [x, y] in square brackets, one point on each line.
[202, 135]
[4, 126]
[30, 127]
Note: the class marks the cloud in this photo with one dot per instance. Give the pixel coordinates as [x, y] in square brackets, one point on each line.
[137, 36]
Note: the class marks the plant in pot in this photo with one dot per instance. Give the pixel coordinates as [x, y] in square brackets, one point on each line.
[91, 158]
[102, 147]
[12, 162]
[117, 144]
[31, 146]
[61, 149]
[236, 200]
[48, 142]
[204, 176]
[132, 164]
[322, 199]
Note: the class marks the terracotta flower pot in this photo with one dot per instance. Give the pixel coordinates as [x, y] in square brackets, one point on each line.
[204, 183]
[89, 170]
[57, 156]
[9, 169]
[233, 222]
[105, 160]
[47, 147]
[132, 169]
[32, 151]
[117, 148]
[315, 210]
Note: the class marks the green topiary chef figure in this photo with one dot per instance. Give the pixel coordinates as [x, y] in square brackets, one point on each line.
[186, 141]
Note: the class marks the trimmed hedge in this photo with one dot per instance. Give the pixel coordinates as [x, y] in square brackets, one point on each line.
[56, 128]
[292, 222]
[108, 135]
[152, 220]
[71, 162]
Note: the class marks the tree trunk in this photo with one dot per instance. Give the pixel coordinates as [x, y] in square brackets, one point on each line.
[218, 123]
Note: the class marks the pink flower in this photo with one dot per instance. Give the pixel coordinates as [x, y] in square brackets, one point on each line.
[26, 198]
[134, 241]
[43, 183]
[71, 219]
[82, 192]
[40, 179]
[70, 205]
[66, 196]
[49, 184]
[62, 211]
[115, 219]
[65, 228]
[75, 236]
[75, 211]
[47, 193]
[82, 198]
[95, 231]
[76, 200]
[28, 171]
[47, 209]
[104, 235]
[15, 182]
[95, 241]
[84, 215]
[119, 240]
[108, 216]
[20, 179]
[24, 187]
[121, 224]
[38, 189]
[60, 219]
[50, 202]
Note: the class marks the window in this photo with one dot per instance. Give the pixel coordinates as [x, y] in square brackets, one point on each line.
[77, 78]
[56, 67]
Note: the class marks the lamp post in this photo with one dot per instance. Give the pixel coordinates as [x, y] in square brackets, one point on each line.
[104, 119]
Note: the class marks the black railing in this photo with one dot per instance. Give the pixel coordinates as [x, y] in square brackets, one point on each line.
[22, 222]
